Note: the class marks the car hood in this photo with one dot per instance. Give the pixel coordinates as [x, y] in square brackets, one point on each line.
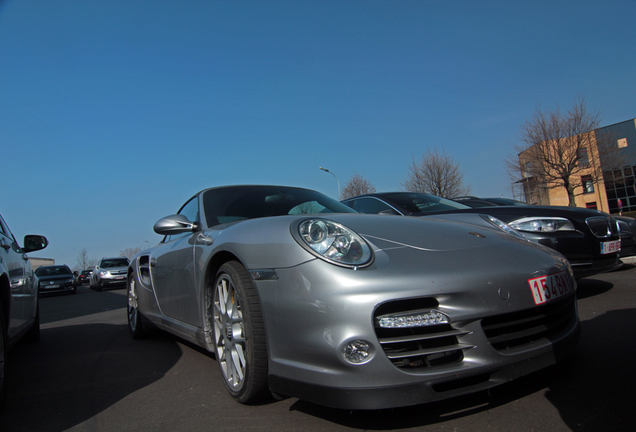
[392, 238]
[113, 269]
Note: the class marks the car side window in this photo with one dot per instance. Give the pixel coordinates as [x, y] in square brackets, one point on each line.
[189, 210]
[371, 206]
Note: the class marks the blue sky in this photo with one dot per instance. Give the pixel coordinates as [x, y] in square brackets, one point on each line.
[113, 113]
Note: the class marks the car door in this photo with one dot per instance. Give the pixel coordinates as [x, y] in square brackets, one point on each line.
[173, 275]
[23, 298]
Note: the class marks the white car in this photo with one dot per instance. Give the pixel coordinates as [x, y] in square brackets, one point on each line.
[110, 272]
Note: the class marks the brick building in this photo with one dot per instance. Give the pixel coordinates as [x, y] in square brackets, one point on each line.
[608, 190]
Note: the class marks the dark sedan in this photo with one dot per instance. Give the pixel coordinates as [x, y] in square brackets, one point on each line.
[55, 279]
[589, 239]
[84, 277]
[626, 224]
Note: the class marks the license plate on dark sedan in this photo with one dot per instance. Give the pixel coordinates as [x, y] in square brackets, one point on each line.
[550, 287]
[51, 286]
[610, 247]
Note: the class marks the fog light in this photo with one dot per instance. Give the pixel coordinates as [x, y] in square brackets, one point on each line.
[356, 352]
[419, 318]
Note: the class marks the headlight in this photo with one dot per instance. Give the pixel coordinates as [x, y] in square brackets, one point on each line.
[333, 242]
[542, 224]
[503, 226]
[103, 273]
[69, 281]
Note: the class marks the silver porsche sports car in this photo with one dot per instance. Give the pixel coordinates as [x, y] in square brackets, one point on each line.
[297, 295]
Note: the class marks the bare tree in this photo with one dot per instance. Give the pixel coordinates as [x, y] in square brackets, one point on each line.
[130, 252]
[436, 173]
[357, 185]
[83, 261]
[561, 150]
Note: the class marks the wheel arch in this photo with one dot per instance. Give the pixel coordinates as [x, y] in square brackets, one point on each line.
[217, 261]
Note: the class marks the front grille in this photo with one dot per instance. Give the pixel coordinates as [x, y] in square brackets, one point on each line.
[513, 330]
[118, 272]
[600, 226]
[419, 347]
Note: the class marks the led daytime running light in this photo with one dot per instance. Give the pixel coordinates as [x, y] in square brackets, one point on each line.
[420, 318]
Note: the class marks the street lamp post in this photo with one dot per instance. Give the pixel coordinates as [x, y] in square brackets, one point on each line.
[326, 170]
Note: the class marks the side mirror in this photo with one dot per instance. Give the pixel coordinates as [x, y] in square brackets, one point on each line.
[34, 243]
[175, 224]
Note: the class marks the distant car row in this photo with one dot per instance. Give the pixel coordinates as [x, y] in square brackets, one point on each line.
[110, 272]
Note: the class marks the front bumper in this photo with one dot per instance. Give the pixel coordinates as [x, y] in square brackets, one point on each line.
[451, 385]
[583, 252]
[112, 280]
[45, 287]
[312, 311]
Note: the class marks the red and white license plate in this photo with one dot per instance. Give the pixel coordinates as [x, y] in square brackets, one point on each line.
[610, 247]
[551, 287]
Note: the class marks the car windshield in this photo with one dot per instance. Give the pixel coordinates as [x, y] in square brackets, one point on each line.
[223, 205]
[53, 271]
[506, 202]
[425, 203]
[114, 262]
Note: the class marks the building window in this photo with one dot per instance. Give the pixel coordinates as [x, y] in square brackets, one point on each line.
[588, 184]
[591, 205]
[584, 160]
[622, 143]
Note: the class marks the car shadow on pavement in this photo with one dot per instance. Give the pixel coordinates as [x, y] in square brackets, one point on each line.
[58, 307]
[75, 372]
[431, 413]
[589, 287]
[595, 389]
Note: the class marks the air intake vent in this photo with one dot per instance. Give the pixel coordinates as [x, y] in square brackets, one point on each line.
[513, 330]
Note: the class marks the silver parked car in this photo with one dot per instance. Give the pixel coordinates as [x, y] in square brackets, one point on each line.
[19, 300]
[109, 272]
[298, 295]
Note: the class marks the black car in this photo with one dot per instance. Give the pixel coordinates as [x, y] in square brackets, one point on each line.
[84, 277]
[55, 279]
[588, 238]
[626, 224]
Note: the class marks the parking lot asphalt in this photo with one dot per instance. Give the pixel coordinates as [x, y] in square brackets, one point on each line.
[87, 374]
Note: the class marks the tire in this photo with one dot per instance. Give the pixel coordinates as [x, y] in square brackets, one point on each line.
[3, 357]
[99, 286]
[239, 334]
[135, 325]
